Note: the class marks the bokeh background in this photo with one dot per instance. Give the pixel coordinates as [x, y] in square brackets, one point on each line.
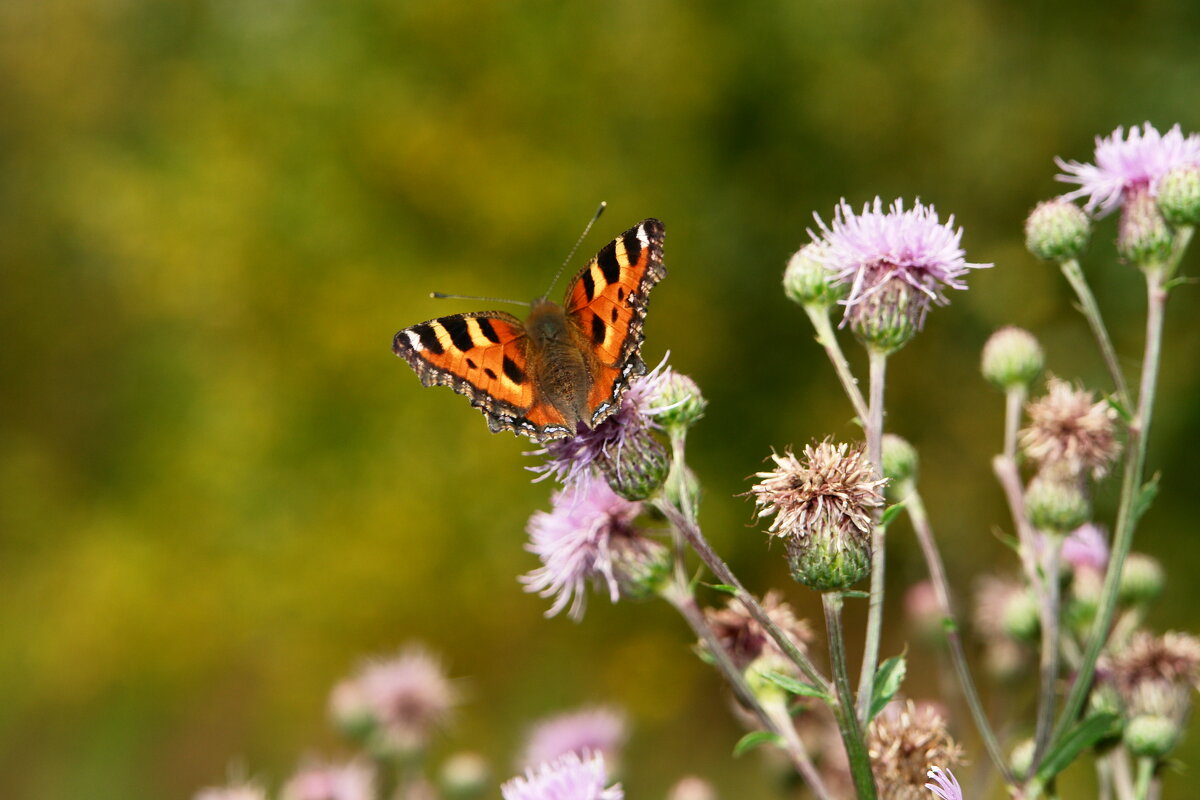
[221, 490]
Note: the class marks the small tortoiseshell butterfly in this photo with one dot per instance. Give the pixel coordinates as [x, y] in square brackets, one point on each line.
[565, 367]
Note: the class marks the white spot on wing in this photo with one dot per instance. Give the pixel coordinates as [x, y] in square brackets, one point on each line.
[642, 237]
[415, 341]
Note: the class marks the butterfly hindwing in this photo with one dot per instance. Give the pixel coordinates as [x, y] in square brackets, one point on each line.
[485, 357]
[607, 303]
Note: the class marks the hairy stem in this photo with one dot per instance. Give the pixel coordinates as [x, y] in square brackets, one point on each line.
[848, 723]
[828, 340]
[941, 587]
[1091, 311]
[874, 431]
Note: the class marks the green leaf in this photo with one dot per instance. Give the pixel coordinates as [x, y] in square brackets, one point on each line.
[890, 513]
[854, 594]
[1078, 739]
[755, 739]
[793, 686]
[1011, 541]
[1145, 497]
[722, 587]
[1119, 407]
[888, 678]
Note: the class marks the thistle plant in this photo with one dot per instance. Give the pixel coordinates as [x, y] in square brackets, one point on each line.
[1067, 616]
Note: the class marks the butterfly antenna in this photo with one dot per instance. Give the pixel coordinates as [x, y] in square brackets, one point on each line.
[444, 296]
[579, 241]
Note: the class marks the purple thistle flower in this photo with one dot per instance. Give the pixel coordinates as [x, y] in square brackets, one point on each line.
[870, 250]
[241, 791]
[568, 778]
[944, 785]
[1124, 164]
[590, 730]
[588, 535]
[346, 782]
[1086, 548]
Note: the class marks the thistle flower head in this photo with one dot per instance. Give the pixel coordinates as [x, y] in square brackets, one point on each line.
[674, 401]
[1125, 163]
[1069, 431]
[351, 781]
[396, 703]
[809, 281]
[1005, 609]
[1172, 657]
[1012, 358]
[568, 778]
[590, 730]
[896, 264]
[589, 536]
[1179, 195]
[1142, 580]
[1155, 676]
[900, 462]
[745, 640]
[822, 506]
[622, 448]
[691, 787]
[1086, 549]
[1057, 230]
[904, 742]
[945, 785]
[1055, 502]
[240, 791]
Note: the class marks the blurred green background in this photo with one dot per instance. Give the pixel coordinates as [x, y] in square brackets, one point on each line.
[221, 489]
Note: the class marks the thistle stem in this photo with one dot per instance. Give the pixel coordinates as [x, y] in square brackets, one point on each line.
[874, 431]
[1145, 776]
[1091, 311]
[1131, 487]
[915, 507]
[848, 724]
[1052, 547]
[695, 538]
[828, 340]
[680, 597]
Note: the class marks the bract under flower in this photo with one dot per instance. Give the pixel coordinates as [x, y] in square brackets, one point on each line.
[568, 778]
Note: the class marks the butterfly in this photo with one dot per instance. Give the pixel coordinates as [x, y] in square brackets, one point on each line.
[564, 368]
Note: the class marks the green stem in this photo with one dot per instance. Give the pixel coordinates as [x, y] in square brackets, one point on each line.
[848, 724]
[1091, 312]
[695, 538]
[1131, 485]
[1051, 548]
[915, 507]
[1145, 776]
[828, 340]
[681, 598]
[874, 431]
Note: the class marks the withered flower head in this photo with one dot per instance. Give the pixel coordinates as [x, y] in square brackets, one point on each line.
[1155, 676]
[904, 743]
[745, 640]
[1172, 657]
[1069, 431]
[822, 506]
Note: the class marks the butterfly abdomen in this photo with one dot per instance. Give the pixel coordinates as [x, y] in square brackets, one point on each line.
[564, 377]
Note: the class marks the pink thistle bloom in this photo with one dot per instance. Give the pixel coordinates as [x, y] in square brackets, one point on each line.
[568, 778]
[591, 730]
[244, 791]
[867, 251]
[944, 785]
[403, 699]
[587, 536]
[1124, 164]
[346, 782]
[1086, 548]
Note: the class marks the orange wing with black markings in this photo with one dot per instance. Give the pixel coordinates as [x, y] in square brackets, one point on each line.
[606, 303]
[484, 356]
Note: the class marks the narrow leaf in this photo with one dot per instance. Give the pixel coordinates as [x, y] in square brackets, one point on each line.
[1078, 739]
[755, 739]
[888, 678]
[1145, 498]
[856, 595]
[890, 513]
[1119, 407]
[722, 587]
[793, 686]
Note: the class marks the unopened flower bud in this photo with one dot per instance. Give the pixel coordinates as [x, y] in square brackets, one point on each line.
[638, 468]
[899, 460]
[1021, 758]
[823, 562]
[1056, 505]
[887, 318]
[640, 566]
[1143, 235]
[1142, 580]
[1012, 358]
[465, 776]
[1179, 195]
[1151, 735]
[1057, 230]
[1020, 618]
[677, 402]
[808, 281]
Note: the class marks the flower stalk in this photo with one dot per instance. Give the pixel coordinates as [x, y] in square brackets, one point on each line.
[1091, 311]
[874, 432]
[848, 722]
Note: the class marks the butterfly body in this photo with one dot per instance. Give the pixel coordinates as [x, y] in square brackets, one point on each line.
[565, 366]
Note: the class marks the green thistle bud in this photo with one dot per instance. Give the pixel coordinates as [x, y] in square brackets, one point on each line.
[1179, 195]
[1012, 358]
[640, 565]
[807, 280]
[465, 776]
[1143, 235]
[1142, 580]
[889, 317]
[677, 403]
[1057, 230]
[1055, 504]
[638, 468]
[1021, 758]
[1020, 618]
[899, 462]
[828, 563]
[1151, 735]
